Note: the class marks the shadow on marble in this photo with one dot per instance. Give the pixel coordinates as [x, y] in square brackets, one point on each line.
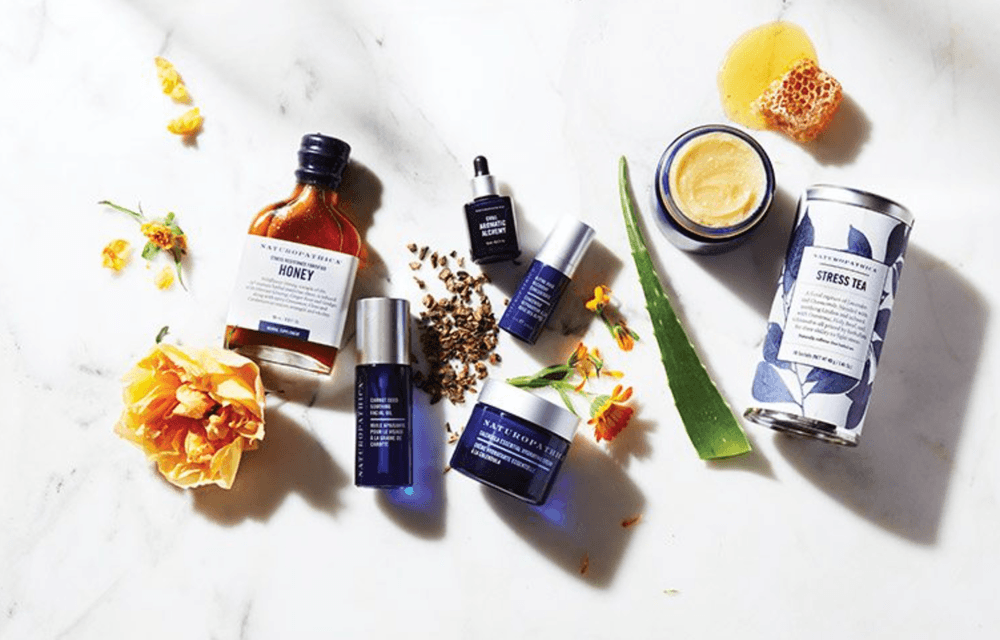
[841, 143]
[751, 270]
[505, 276]
[633, 442]
[582, 517]
[753, 462]
[420, 509]
[361, 195]
[899, 475]
[290, 460]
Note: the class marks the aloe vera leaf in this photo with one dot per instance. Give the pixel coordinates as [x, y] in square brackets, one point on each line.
[710, 423]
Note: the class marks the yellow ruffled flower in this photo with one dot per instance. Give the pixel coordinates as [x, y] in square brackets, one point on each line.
[187, 124]
[164, 279]
[171, 81]
[194, 412]
[116, 254]
[602, 296]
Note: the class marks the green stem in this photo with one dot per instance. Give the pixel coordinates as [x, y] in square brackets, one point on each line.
[135, 214]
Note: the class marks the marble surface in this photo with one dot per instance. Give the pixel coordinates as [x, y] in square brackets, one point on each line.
[897, 538]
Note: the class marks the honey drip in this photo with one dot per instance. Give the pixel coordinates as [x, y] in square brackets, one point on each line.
[759, 57]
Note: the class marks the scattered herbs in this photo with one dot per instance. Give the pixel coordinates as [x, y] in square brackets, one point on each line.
[458, 333]
[710, 423]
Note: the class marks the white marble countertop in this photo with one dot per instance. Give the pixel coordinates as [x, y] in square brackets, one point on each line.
[897, 538]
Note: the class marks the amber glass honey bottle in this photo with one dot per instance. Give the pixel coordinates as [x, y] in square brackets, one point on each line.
[297, 272]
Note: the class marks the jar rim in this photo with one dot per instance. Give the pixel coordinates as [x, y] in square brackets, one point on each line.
[677, 214]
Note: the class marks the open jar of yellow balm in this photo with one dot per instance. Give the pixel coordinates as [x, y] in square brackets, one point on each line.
[713, 186]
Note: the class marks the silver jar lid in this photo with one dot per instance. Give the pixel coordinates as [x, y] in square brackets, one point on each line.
[566, 245]
[383, 331]
[529, 407]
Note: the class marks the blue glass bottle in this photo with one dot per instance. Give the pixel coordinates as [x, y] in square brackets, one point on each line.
[546, 281]
[383, 395]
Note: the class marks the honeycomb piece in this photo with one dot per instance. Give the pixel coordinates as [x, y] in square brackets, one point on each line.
[800, 103]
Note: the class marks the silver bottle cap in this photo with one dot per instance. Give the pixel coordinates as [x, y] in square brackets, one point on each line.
[383, 331]
[566, 245]
[484, 186]
[530, 407]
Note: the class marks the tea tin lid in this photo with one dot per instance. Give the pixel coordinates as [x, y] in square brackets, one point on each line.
[859, 198]
[529, 407]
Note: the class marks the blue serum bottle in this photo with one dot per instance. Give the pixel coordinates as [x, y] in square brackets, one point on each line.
[542, 287]
[490, 216]
[383, 395]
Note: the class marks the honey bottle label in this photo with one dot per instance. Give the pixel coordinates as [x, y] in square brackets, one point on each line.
[293, 290]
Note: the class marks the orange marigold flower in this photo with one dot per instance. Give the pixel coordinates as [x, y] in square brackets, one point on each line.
[602, 296]
[611, 416]
[116, 254]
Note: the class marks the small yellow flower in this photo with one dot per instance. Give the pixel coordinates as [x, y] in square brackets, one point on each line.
[171, 81]
[116, 254]
[612, 416]
[602, 296]
[187, 124]
[623, 336]
[165, 278]
[589, 364]
[163, 236]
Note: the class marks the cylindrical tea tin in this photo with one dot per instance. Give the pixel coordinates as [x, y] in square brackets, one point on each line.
[830, 314]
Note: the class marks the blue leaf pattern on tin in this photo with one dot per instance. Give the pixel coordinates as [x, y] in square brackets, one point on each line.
[771, 345]
[768, 387]
[829, 381]
[882, 322]
[896, 244]
[877, 349]
[857, 243]
[804, 237]
[859, 399]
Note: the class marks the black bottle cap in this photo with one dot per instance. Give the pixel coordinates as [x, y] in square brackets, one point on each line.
[322, 160]
[481, 166]
[483, 184]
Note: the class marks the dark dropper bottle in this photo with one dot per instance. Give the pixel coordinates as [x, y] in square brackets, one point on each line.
[490, 216]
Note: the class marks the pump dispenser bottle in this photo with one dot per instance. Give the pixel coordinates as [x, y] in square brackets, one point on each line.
[490, 216]
[547, 278]
[383, 395]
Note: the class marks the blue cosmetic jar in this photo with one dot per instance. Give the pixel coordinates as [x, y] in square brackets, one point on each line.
[514, 442]
[681, 229]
